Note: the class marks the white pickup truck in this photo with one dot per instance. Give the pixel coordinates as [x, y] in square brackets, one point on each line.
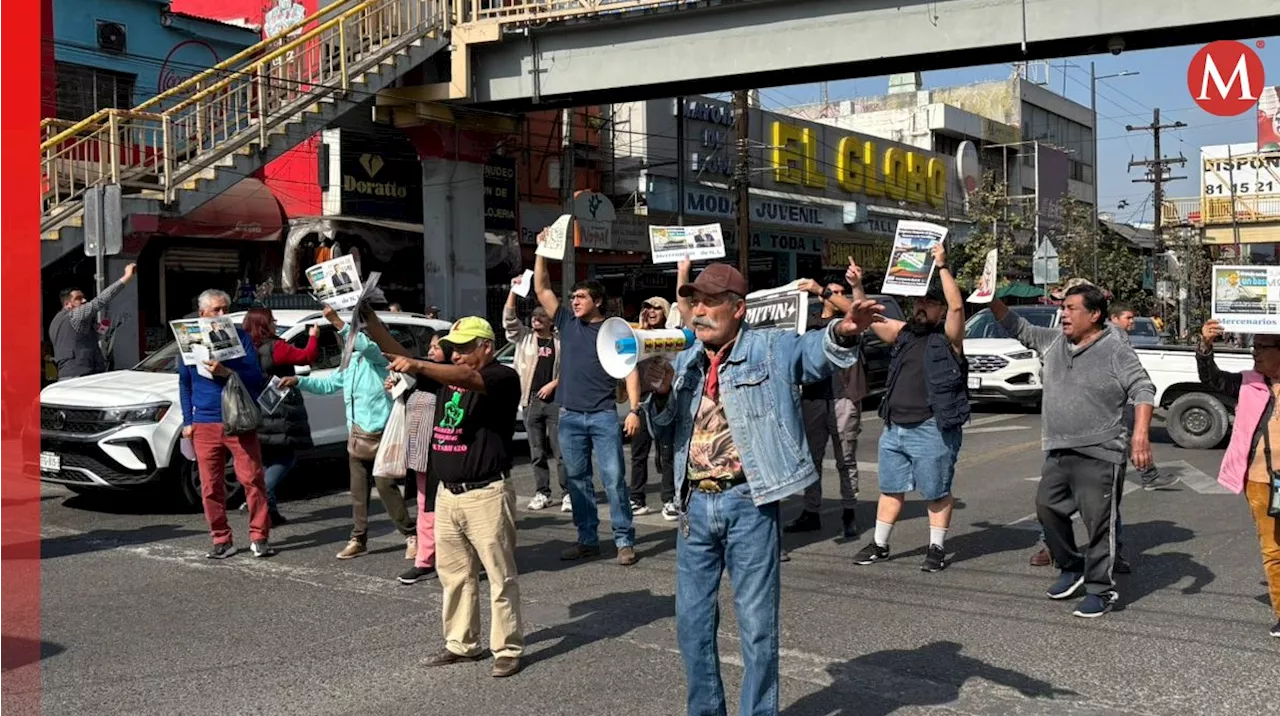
[120, 430]
[1003, 370]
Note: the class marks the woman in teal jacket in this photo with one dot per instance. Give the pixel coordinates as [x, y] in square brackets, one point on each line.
[367, 408]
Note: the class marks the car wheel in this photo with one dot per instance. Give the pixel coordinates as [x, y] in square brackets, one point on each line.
[1198, 421]
[189, 484]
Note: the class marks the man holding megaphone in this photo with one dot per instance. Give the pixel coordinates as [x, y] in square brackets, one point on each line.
[730, 404]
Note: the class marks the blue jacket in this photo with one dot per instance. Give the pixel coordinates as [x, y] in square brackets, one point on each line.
[201, 397]
[368, 404]
[760, 388]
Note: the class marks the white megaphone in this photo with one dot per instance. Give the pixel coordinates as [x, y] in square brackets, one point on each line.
[621, 347]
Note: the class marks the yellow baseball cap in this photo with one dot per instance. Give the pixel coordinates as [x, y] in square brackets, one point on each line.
[468, 329]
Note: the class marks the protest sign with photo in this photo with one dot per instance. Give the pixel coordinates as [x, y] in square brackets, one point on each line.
[216, 337]
[272, 396]
[336, 282]
[987, 282]
[556, 239]
[911, 258]
[671, 244]
[783, 307]
[187, 334]
[1246, 299]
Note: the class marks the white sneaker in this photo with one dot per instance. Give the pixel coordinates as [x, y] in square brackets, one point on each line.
[539, 502]
[669, 512]
[566, 505]
[639, 509]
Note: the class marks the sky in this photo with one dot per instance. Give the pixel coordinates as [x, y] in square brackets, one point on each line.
[1161, 82]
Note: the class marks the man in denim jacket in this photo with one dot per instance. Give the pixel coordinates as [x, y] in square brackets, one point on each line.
[731, 406]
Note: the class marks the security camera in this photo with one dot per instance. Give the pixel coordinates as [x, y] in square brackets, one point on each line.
[1115, 45]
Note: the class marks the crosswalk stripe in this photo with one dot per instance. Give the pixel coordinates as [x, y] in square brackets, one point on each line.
[989, 419]
[995, 429]
[1193, 477]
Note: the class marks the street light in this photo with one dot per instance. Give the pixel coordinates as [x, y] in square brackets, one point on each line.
[1093, 111]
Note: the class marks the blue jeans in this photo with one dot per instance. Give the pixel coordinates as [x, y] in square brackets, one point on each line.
[276, 463]
[581, 435]
[920, 457]
[728, 530]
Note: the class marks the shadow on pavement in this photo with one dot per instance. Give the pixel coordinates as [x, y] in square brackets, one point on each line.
[608, 617]
[879, 684]
[19, 651]
[1153, 572]
[100, 540]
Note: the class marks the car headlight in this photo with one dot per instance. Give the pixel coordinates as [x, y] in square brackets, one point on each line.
[136, 414]
[1020, 355]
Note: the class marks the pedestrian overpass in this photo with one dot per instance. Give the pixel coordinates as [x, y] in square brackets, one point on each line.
[193, 142]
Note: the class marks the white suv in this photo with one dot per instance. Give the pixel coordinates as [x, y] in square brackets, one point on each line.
[1000, 368]
[121, 429]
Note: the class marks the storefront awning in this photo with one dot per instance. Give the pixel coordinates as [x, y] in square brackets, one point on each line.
[248, 211]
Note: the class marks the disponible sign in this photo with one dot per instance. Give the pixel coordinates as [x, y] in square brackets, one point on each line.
[717, 203]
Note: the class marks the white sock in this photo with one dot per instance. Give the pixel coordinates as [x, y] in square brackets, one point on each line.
[882, 533]
[937, 535]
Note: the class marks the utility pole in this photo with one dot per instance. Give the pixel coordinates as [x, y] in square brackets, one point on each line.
[742, 179]
[568, 172]
[1094, 78]
[1156, 176]
[680, 161]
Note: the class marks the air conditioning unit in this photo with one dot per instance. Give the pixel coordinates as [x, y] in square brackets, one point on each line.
[111, 36]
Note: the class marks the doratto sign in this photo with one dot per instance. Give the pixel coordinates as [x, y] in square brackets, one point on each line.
[1226, 78]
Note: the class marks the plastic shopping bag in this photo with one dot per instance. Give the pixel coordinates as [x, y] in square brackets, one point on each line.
[394, 448]
[240, 412]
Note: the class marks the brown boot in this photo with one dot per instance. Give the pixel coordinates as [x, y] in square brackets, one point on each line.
[354, 548]
[1041, 558]
[447, 658]
[627, 556]
[505, 666]
[580, 551]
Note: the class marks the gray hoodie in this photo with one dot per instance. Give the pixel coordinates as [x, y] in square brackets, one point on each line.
[1086, 389]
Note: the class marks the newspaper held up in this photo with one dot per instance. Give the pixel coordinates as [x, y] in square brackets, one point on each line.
[1246, 299]
[521, 285]
[911, 258]
[272, 396]
[336, 282]
[671, 244]
[987, 282]
[783, 307]
[217, 338]
[556, 239]
[356, 325]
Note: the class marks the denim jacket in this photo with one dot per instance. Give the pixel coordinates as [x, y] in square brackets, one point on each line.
[760, 388]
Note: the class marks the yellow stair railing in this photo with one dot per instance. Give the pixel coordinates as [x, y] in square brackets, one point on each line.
[168, 139]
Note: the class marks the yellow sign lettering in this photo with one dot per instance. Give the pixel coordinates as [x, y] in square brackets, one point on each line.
[895, 174]
[795, 156]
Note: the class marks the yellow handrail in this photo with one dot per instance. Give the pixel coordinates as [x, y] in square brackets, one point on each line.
[222, 67]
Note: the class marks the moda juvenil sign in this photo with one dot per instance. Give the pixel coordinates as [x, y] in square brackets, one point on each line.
[705, 201]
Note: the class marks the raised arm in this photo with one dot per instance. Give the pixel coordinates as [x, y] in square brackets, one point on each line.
[1036, 338]
[85, 312]
[887, 329]
[954, 324]
[284, 354]
[684, 274]
[1210, 374]
[377, 330]
[444, 373]
[542, 283]
[511, 324]
[817, 355]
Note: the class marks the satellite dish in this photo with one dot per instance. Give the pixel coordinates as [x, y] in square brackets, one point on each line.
[968, 168]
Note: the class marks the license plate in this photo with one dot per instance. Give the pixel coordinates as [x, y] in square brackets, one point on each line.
[50, 462]
[975, 382]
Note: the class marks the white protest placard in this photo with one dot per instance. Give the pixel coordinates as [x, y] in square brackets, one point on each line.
[556, 239]
[521, 284]
[1246, 299]
[216, 338]
[911, 258]
[671, 244]
[272, 396]
[987, 282]
[783, 307]
[336, 282]
[187, 334]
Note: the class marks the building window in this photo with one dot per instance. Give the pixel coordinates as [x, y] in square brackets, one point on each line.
[84, 90]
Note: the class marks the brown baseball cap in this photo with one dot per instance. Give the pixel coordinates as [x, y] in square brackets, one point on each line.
[714, 279]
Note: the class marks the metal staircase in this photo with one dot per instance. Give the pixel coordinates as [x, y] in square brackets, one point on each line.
[189, 144]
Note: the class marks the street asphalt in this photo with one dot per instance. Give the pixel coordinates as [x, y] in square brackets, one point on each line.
[136, 621]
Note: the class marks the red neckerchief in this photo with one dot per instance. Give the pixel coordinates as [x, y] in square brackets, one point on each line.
[713, 373]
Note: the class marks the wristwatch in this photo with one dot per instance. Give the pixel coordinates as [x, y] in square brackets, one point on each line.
[826, 293]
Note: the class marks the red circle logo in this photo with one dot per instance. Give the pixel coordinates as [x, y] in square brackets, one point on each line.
[1225, 78]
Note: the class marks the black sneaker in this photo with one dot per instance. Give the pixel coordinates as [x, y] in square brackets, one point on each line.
[935, 559]
[221, 551]
[1159, 482]
[1095, 605]
[1275, 630]
[806, 522]
[414, 575]
[871, 553]
[1068, 586]
[849, 519]
[261, 549]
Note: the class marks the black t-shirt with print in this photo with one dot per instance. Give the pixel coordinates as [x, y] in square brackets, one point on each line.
[544, 369]
[471, 434]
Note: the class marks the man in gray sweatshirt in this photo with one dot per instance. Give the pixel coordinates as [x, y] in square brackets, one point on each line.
[1090, 373]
